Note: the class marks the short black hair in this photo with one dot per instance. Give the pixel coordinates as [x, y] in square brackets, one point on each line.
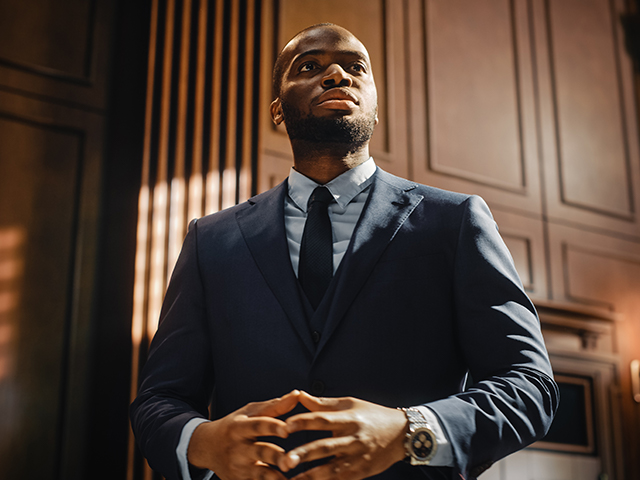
[279, 65]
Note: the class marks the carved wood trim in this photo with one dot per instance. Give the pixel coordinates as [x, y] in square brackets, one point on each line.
[87, 78]
[564, 197]
[432, 161]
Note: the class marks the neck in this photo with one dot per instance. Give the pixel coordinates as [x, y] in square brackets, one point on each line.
[322, 162]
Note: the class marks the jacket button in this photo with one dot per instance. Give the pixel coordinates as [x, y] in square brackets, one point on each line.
[316, 336]
[317, 387]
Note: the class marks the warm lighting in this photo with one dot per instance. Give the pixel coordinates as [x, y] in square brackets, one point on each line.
[11, 238]
[182, 169]
[195, 197]
[244, 186]
[139, 288]
[228, 188]
[158, 252]
[10, 267]
[635, 380]
[176, 222]
[8, 301]
[212, 192]
[12, 241]
[6, 335]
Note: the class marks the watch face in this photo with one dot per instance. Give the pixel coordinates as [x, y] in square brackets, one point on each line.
[422, 444]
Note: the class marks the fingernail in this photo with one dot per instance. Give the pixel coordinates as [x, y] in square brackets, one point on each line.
[294, 460]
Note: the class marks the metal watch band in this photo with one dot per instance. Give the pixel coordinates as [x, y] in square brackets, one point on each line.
[415, 417]
[419, 436]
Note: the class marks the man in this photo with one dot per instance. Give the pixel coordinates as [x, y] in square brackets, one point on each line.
[420, 295]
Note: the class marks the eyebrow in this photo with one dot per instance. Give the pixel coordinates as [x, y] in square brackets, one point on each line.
[319, 51]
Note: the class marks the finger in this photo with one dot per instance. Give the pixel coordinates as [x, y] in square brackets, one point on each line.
[267, 453]
[339, 468]
[326, 447]
[274, 407]
[252, 427]
[337, 422]
[323, 404]
[265, 472]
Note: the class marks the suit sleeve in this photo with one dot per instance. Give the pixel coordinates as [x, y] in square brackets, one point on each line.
[513, 400]
[176, 381]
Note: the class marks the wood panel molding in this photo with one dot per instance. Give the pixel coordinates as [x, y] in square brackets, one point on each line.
[577, 328]
[520, 248]
[70, 24]
[473, 93]
[582, 263]
[589, 102]
[588, 124]
[57, 50]
[472, 100]
[524, 236]
[53, 154]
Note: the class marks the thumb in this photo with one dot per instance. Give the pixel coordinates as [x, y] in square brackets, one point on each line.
[323, 404]
[274, 407]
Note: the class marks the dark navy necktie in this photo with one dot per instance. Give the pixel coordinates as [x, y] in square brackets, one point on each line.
[316, 249]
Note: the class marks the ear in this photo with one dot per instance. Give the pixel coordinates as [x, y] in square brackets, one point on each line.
[376, 121]
[276, 111]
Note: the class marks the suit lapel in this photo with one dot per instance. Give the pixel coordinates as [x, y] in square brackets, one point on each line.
[262, 226]
[389, 204]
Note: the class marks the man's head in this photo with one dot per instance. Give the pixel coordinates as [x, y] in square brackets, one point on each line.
[324, 88]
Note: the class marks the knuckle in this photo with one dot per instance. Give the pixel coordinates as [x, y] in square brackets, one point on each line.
[303, 453]
[359, 442]
[327, 449]
[322, 420]
[255, 427]
[235, 429]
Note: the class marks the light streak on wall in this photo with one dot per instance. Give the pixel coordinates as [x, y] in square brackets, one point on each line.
[200, 147]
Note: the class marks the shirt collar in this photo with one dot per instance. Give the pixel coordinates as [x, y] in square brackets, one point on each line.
[344, 187]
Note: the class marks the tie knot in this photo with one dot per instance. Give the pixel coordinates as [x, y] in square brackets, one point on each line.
[322, 195]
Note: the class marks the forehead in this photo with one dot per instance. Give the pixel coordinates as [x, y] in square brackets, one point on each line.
[327, 40]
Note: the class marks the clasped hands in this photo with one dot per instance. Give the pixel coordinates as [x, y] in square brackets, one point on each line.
[366, 439]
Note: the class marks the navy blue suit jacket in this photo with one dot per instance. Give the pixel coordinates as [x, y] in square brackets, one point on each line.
[426, 292]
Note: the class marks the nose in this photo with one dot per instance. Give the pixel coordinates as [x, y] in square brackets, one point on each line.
[335, 76]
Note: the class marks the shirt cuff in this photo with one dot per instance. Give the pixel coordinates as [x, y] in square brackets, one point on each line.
[444, 454]
[181, 452]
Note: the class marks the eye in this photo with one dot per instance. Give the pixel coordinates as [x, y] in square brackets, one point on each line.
[307, 67]
[359, 67]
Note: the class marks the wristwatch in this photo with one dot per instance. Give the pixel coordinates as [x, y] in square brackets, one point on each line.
[420, 443]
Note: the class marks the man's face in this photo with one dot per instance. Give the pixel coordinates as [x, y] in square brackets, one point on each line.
[327, 91]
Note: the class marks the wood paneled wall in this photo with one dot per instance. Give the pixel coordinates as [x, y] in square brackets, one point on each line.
[528, 103]
[69, 162]
[54, 71]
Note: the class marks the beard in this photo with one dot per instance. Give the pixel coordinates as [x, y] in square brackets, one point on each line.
[353, 132]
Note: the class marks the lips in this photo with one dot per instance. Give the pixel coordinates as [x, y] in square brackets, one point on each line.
[337, 98]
